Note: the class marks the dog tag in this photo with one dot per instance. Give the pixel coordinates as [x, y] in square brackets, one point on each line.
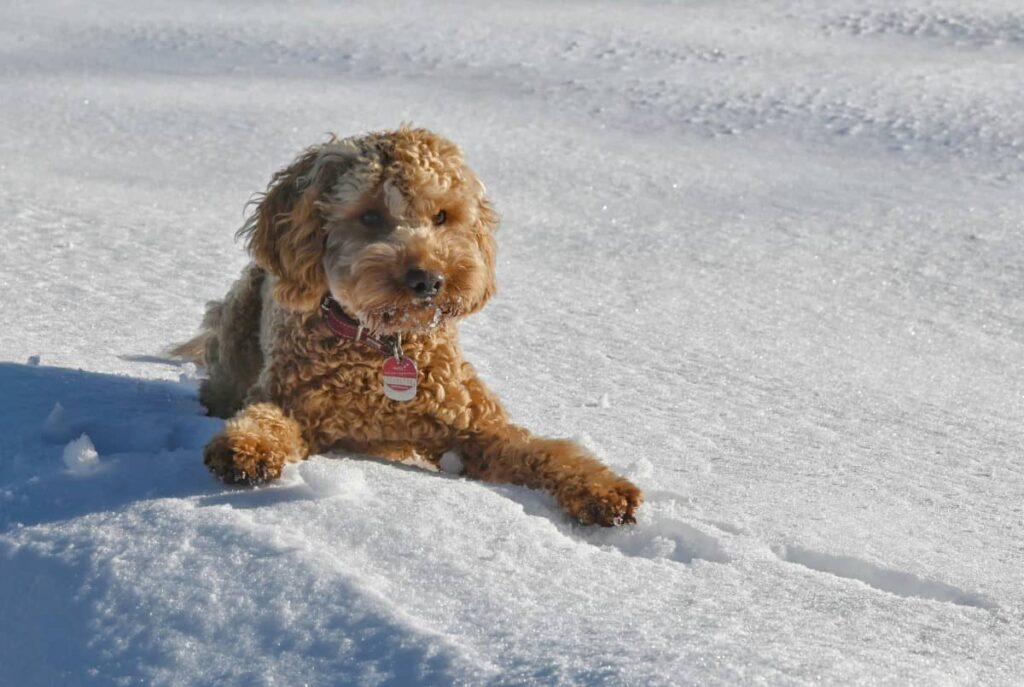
[399, 378]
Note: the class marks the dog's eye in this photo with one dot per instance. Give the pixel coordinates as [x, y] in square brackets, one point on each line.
[372, 219]
[440, 218]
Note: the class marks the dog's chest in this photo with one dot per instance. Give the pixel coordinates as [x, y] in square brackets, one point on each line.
[347, 382]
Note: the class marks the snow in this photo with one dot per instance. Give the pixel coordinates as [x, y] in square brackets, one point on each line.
[451, 462]
[764, 258]
[80, 456]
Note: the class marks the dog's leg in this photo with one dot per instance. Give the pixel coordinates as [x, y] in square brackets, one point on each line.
[585, 487]
[255, 445]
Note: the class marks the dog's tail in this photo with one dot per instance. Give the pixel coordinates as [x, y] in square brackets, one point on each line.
[196, 348]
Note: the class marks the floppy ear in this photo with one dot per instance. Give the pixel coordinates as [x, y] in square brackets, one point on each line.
[285, 234]
[486, 225]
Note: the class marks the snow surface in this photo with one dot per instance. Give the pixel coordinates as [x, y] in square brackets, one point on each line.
[765, 258]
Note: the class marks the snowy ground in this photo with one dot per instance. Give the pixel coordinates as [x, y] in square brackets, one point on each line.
[764, 258]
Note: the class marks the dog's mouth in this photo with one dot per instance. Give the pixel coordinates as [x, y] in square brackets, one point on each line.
[417, 317]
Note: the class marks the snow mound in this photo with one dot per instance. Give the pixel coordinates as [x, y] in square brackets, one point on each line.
[80, 456]
[451, 462]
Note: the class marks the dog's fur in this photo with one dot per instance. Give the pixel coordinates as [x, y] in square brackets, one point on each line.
[291, 387]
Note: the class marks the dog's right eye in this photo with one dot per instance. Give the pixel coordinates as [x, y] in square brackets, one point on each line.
[372, 219]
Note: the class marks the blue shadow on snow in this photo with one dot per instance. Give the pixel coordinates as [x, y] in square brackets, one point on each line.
[148, 434]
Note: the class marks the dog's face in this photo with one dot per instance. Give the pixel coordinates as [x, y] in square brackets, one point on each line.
[393, 224]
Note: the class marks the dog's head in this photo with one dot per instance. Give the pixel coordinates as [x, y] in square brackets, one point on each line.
[393, 224]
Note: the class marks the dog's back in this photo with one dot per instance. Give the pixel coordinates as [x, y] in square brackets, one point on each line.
[229, 345]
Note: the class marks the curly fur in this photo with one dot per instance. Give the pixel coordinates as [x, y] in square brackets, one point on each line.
[290, 387]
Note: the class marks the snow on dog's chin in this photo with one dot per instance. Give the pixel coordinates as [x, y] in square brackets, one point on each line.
[409, 318]
[404, 316]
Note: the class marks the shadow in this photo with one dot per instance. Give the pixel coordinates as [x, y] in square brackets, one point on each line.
[244, 498]
[300, 487]
[656, 535]
[660, 536]
[157, 359]
[883, 579]
[148, 436]
[60, 585]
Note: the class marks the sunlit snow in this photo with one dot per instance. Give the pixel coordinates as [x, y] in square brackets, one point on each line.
[763, 258]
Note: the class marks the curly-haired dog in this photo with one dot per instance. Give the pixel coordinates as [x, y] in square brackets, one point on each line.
[342, 332]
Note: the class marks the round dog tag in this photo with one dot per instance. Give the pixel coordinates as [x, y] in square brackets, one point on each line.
[399, 378]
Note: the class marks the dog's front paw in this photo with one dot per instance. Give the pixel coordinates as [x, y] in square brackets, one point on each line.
[607, 500]
[243, 459]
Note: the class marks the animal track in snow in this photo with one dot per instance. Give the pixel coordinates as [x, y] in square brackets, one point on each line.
[883, 579]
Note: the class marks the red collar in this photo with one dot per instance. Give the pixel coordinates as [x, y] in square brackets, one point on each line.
[345, 327]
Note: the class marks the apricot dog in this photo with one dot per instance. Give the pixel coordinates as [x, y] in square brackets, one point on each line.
[342, 332]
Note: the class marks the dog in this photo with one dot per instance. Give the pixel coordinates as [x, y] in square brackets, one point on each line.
[341, 333]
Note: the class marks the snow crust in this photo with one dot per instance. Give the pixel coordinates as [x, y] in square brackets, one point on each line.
[764, 258]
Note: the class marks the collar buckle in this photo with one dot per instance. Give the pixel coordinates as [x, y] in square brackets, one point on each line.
[345, 327]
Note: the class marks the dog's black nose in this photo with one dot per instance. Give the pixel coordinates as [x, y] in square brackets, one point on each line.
[424, 284]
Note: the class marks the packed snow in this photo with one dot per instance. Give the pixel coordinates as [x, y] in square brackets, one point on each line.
[763, 258]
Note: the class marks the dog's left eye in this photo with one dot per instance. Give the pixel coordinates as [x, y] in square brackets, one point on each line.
[440, 218]
[372, 219]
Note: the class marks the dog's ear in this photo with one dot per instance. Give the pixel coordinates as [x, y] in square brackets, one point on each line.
[285, 233]
[485, 226]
